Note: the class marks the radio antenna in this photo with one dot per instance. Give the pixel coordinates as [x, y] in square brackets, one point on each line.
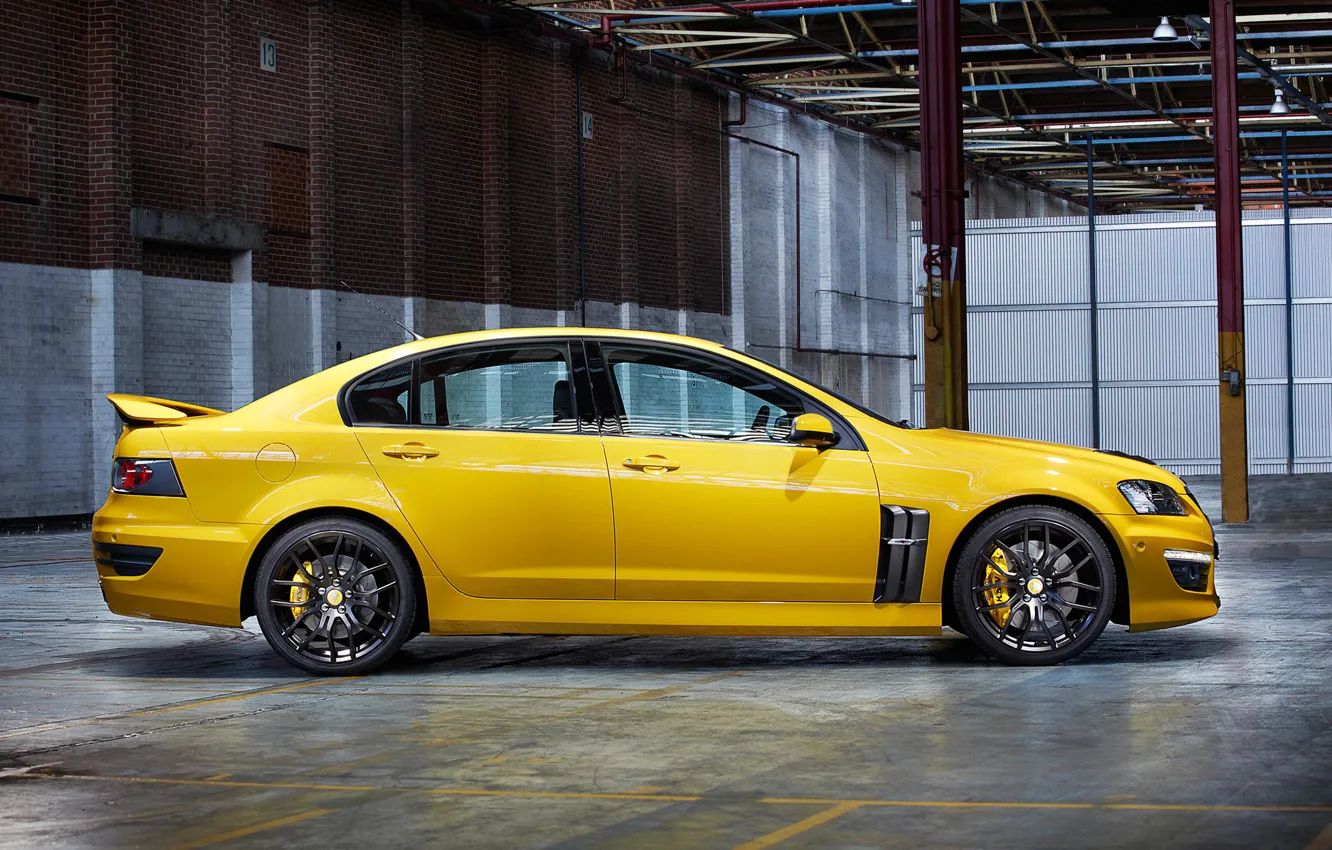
[413, 334]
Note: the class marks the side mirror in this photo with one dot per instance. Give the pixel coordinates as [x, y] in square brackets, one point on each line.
[814, 431]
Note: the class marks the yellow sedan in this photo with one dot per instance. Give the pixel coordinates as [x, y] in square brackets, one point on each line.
[580, 481]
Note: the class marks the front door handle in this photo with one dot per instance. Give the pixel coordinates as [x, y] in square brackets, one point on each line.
[411, 451]
[651, 463]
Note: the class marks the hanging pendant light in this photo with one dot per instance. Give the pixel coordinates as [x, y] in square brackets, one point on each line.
[1279, 106]
[1164, 31]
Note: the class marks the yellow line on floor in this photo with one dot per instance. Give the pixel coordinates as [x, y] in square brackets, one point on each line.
[251, 830]
[233, 697]
[1004, 804]
[55, 727]
[649, 694]
[933, 804]
[799, 827]
[687, 798]
[476, 735]
[455, 792]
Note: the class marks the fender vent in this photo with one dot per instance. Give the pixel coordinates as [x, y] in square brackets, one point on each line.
[904, 538]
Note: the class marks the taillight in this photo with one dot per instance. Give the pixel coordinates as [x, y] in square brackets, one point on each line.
[131, 475]
[145, 477]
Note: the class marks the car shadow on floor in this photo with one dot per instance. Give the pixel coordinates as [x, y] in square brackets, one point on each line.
[238, 655]
[655, 653]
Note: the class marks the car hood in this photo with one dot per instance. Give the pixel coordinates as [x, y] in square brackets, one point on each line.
[1042, 453]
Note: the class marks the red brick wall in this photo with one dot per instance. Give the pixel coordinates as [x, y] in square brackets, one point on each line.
[165, 86]
[399, 147]
[15, 147]
[183, 261]
[449, 141]
[44, 78]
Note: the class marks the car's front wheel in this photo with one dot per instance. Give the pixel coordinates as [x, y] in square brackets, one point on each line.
[335, 596]
[1034, 585]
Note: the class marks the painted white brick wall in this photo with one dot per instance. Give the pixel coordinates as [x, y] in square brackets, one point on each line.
[187, 340]
[46, 329]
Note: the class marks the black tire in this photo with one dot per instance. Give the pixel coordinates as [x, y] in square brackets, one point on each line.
[335, 596]
[1062, 558]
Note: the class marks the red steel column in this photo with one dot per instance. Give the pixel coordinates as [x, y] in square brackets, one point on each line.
[942, 214]
[1229, 266]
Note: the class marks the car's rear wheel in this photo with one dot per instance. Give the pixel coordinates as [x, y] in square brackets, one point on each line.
[335, 596]
[1034, 585]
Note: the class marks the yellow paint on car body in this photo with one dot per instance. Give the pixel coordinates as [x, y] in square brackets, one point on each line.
[551, 533]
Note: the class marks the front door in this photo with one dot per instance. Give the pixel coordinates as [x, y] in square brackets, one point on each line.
[711, 501]
[493, 455]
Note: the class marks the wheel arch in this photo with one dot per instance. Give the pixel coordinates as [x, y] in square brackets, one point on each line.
[1120, 613]
[280, 528]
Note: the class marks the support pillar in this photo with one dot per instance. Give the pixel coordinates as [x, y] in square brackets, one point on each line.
[115, 279]
[323, 156]
[1290, 306]
[942, 213]
[1229, 266]
[1093, 301]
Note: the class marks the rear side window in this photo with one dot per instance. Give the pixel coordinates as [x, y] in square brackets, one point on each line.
[524, 388]
[383, 398]
[516, 388]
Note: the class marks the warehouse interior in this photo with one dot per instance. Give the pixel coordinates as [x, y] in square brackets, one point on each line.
[1101, 224]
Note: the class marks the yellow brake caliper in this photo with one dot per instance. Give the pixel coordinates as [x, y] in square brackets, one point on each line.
[997, 595]
[300, 595]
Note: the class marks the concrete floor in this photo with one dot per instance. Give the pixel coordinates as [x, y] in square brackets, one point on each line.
[117, 732]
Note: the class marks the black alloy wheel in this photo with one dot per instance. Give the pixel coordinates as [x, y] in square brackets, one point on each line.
[335, 596]
[1034, 585]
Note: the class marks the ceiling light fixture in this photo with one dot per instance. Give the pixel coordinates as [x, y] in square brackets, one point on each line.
[1279, 106]
[1164, 31]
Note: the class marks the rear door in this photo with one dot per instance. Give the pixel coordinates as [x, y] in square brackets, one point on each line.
[493, 454]
[711, 500]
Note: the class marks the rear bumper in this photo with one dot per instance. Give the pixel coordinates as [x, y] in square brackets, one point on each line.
[199, 574]
[1156, 600]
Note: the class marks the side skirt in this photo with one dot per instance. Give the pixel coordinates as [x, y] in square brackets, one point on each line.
[452, 613]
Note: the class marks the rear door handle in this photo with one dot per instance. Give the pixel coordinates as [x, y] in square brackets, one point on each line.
[651, 463]
[411, 451]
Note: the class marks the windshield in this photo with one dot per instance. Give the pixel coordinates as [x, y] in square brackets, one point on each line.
[873, 414]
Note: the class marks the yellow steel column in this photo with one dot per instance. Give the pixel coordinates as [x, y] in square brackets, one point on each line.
[1229, 266]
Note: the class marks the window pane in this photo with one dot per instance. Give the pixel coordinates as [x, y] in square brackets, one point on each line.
[679, 395]
[524, 389]
[381, 399]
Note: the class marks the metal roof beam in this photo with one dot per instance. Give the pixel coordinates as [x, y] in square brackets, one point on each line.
[1270, 74]
[1251, 134]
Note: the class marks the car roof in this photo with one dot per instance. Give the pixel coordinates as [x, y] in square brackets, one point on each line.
[501, 334]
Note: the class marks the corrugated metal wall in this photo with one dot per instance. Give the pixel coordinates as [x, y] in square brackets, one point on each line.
[1030, 356]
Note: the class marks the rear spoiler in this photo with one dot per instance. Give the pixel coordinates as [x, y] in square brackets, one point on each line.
[142, 409]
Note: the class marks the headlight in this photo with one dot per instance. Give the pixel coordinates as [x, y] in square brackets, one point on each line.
[1152, 497]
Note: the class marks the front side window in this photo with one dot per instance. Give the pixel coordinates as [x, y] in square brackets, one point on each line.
[524, 388]
[676, 394]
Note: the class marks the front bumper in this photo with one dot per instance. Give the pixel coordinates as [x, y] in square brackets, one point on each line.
[1156, 600]
[199, 574]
